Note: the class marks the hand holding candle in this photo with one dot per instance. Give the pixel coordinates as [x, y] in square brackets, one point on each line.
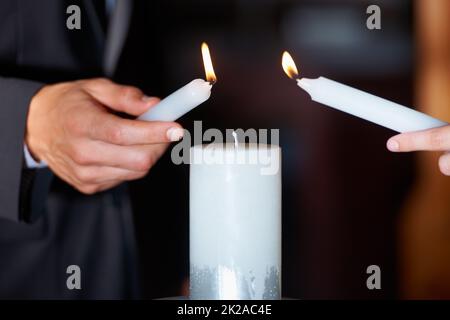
[74, 128]
[186, 98]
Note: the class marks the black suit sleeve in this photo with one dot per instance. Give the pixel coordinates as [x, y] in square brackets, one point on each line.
[15, 97]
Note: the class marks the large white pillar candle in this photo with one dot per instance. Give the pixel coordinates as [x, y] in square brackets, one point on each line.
[361, 104]
[235, 222]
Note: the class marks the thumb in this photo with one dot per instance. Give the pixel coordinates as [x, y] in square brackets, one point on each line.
[128, 99]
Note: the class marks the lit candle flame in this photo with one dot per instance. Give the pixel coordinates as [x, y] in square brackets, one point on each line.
[289, 65]
[209, 70]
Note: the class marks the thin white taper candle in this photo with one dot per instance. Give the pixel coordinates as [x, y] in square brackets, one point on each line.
[361, 104]
[367, 106]
[186, 98]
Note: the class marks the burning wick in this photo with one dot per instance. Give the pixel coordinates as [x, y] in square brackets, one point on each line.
[186, 98]
[359, 103]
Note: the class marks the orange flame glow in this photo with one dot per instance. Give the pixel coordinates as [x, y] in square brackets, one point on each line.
[289, 65]
[209, 70]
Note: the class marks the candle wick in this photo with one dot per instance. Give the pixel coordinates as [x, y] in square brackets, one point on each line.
[235, 139]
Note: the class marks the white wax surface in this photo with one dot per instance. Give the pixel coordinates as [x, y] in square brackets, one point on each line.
[235, 215]
[180, 102]
[367, 106]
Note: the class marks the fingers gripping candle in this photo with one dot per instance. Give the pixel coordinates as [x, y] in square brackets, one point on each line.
[361, 104]
[186, 98]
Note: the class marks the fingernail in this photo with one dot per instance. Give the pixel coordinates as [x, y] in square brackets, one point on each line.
[393, 145]
[175, 134]
[444, 164]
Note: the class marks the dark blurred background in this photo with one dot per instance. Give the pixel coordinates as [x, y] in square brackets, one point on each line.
[342, 190]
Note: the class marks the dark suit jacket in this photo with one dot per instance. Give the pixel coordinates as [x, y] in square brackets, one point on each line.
[49, 226]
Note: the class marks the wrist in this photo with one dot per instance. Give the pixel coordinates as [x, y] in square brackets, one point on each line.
[34, 116]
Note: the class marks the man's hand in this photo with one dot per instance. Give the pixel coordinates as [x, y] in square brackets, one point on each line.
[73, 128]
[437, 139]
